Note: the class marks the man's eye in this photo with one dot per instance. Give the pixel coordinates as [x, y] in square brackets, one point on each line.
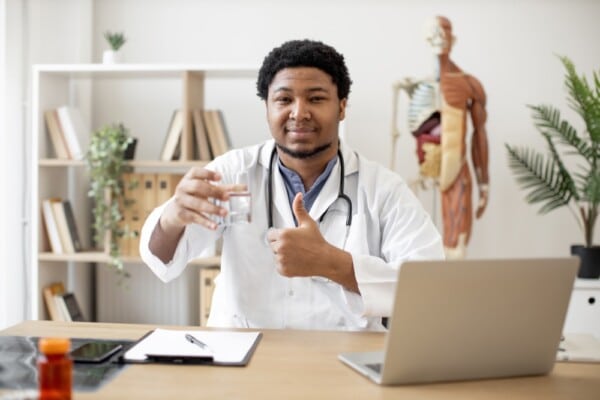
[282, 100]
[317, 99]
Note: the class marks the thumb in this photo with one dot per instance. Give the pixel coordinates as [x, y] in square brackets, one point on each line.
[299, 211]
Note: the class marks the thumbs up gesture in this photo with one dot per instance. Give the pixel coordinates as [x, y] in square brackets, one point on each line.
[297, 250]
[302, 251]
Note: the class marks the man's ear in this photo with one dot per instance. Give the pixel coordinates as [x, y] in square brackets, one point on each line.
[342, 115]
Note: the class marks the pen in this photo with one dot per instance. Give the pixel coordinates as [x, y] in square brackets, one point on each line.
[197, 342]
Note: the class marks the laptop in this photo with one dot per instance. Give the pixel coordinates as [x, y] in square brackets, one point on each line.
[472, 319]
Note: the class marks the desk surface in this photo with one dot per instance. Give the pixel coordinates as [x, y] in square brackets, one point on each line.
[302, 365]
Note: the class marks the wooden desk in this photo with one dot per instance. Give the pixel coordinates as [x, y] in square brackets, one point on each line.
[302, 365]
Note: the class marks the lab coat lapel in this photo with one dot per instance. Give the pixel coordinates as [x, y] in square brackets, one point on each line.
[282, 206]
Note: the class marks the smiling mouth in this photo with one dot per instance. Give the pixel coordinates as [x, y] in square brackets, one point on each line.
[300, 129]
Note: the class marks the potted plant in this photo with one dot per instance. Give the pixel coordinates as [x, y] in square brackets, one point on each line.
[115, 41]
[569, 175]
[106, 165]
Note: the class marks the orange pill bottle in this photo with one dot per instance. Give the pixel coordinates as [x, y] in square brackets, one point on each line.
[55, 369]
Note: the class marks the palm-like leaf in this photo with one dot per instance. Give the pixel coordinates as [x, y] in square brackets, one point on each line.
[583, 99]
[547, 120]
[548, 180]
[547, 183]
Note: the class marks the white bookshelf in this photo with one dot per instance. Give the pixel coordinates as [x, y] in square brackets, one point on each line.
[86, 86]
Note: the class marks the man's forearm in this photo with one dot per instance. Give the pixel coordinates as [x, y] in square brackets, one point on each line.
[342, 269]
[164, 242]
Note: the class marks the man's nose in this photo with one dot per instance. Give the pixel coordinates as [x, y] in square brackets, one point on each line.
[299, 111]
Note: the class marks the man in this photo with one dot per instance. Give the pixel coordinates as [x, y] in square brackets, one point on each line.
[328, 232]
[437, 118]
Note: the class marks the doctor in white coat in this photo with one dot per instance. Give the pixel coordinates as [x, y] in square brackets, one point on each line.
[329, 228]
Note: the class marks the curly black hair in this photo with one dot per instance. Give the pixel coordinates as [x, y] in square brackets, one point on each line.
[304, 53]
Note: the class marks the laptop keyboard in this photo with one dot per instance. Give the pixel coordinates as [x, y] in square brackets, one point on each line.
[375, 367]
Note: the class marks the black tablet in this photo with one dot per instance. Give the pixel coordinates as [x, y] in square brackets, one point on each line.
[95, 352]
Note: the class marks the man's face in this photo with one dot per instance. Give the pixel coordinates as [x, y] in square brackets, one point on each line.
[303, 112]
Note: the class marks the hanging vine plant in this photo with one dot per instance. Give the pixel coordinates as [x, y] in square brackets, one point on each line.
[106, 161]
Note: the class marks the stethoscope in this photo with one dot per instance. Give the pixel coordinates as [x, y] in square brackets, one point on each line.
[341, 194]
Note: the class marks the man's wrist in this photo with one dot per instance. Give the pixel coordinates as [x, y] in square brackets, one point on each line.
[342, 268]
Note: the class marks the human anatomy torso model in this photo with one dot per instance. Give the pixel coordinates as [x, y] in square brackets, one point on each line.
[437, 117]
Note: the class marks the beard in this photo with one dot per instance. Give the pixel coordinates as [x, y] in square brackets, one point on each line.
[303, 154]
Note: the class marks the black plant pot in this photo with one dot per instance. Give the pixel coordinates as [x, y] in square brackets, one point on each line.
[130, 150]
[590, 261]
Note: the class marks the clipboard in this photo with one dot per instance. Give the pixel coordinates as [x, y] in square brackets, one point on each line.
[227, 348]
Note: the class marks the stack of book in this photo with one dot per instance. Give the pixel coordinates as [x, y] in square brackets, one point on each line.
[61, 305]
[210, 138]
[61, 228]
[65, 125]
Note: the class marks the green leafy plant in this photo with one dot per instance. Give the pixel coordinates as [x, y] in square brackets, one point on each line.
[548, 178]
[115, 40]
[106, 165]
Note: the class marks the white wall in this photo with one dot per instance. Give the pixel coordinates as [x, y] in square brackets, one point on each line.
[12, 233]
[508, 45]
[39, 31]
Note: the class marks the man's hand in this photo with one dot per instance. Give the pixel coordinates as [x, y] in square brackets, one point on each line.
[298, 251]
[302, 251]
[191, 204]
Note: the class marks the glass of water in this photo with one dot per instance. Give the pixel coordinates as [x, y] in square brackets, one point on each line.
[239, 206]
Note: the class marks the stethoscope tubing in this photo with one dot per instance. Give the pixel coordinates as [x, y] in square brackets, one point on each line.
[341, 194]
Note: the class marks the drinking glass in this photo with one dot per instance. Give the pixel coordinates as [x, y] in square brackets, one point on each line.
[239, 205]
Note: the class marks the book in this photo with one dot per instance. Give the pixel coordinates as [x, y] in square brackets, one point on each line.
[173, 137]
[202, 147]
[207, 287]
[67, 303]
[219, 347]
[72, 225]
[48, 293]
[73, 128]
[223, 132]
[217, 132]
[61, 306]
[51, 225]
[56, 134]
[213, 132]
[62, 226]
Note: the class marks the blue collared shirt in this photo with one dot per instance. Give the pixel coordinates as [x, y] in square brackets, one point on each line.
[293, 183]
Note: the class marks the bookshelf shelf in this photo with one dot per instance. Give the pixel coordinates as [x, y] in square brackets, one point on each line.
[109, 94]
[101, 257]
[55, 162]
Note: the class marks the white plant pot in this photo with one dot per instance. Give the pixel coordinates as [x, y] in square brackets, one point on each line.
[111, 57]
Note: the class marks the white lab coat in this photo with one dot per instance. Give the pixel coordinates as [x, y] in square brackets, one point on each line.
[388, 227]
